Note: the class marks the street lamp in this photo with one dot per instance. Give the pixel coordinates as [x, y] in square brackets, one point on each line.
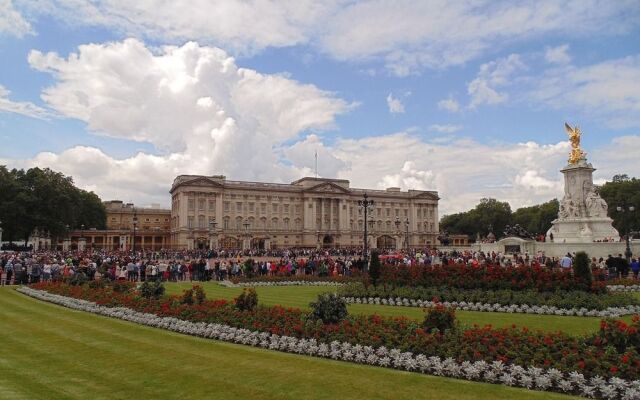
[624, 209]
[135, 224]
[365, 203]
[397, 223]
[406, 224]
[0, 235]
[246, 234]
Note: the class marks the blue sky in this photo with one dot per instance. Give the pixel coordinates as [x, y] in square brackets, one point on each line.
[465, 98]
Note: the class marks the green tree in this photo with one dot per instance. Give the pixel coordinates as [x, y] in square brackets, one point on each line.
[489, 212]
[620, 191]
[46, 200]
[582, 270]
[537, 219]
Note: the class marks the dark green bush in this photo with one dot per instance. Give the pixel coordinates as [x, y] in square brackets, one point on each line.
[247, 300]
[151, 290]
[581, 268]
[187, 296]
[330, 308]
[440, 319]
[122, 286]
[78, 279]
[201, 296]
[374, 268]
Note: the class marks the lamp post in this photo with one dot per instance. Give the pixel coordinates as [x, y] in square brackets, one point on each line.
[135, 224]
[397, 223]
[365, 203]
[0, 235]
[624, 208]
[406, 224]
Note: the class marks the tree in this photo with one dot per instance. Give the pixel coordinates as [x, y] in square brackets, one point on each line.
[489, 212]
[621, 191]
[582, 270]
[537, 219]
[46, 200]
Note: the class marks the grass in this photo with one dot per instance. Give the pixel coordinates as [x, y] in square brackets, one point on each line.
[50, 352]
[300, 296]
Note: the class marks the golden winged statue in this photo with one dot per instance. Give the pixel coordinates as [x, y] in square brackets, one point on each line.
[574, 137]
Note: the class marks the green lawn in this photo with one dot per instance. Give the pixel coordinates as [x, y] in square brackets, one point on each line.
[300, 296]
[49, 352]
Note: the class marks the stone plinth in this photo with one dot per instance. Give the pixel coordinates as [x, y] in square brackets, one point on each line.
[582, 217]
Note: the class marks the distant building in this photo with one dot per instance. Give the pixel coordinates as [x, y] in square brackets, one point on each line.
[211, 211]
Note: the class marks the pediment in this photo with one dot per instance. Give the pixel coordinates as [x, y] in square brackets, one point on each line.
[198, 181]
[327, 187]
[427, 195]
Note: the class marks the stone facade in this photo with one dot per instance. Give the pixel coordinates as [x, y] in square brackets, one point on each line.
[211, 211]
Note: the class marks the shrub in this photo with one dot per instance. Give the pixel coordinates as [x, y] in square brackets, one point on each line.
[122, 286]
[581, 269]
[151, 290]
[374, 268]
[247, 268]
[439, 319]
[201, 296]
[98, 284]
[78, 279]
[248, 300]
[187, 296]
[330, 308]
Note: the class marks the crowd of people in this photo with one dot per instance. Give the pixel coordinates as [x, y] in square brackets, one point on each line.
[20, 267]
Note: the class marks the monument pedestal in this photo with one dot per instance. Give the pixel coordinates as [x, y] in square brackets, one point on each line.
[582, 217]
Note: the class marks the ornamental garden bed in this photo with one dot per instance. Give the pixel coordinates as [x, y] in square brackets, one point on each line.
[602, 365]
[561, 302]
[293, 280]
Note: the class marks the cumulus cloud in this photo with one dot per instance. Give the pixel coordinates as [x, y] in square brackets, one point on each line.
[449, 104]
[448, 128]
[406, 36]
[193, 103]
[492, 76]
[608, 91]
[11, 21]
[25, 108]
[395, 105]
[558, 55]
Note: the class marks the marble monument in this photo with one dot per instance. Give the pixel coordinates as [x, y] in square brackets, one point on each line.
[582, 217]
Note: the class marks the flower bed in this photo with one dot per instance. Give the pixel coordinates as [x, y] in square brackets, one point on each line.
[617, 337]
[574, 302]
[624, 285]
[275, 280]
[490, 277]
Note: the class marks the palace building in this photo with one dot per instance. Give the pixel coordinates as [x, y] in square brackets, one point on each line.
[213, 212]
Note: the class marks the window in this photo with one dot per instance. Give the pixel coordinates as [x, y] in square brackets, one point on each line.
[212, 205]
[238, 207]
[388, 212]
[190, 222]
[146, 220]
[201, 204]
[251, 207]
[286, 209]
[226, 223]
[201, 221]
[406, 212]
[191, 204]
[263, 208]
[397, 212]
[298, 208]
[157, 219]
[274, 208]
[238, 223]
[226, 206]
[286, 223]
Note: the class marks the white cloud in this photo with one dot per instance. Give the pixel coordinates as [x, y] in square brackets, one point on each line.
[395, 105]
[11, 21]
[207, 115]
[406, 36]
[558, 55]
[447, 128]
[449, 104]
[21, 107]
[608, 91]
[491, 77]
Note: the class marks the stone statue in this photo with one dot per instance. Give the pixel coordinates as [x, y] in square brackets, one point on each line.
[574, 137]
[596, 206]
[517, 231]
